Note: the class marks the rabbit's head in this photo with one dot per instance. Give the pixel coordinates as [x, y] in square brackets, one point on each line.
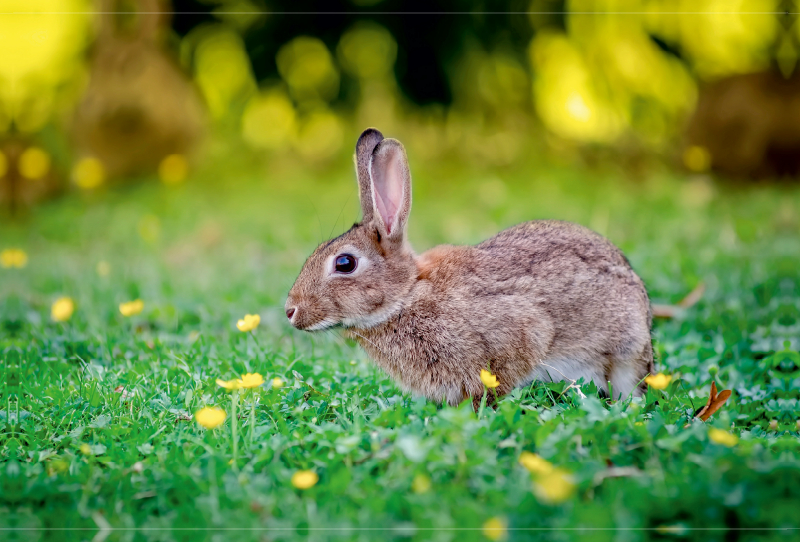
[360, 278]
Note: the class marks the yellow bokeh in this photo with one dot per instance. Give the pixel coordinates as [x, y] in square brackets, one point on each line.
[564, 93]
[88, 173]
[320, 136]
[223, 71]
[34, 163]
[173, 169]
[697, 158]
[269, 120]
[367, 50]
[307, 67]
[40, 53]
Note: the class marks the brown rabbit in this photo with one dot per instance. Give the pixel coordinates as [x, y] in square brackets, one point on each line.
[544, 300]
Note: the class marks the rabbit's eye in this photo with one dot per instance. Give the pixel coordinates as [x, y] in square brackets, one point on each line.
[345, 263]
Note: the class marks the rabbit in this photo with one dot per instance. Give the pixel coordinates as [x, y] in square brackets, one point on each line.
[544, 300]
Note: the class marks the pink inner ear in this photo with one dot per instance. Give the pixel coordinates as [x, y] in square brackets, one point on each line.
[387, 180]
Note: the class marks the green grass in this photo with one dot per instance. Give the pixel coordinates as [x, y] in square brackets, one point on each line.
[231, 242]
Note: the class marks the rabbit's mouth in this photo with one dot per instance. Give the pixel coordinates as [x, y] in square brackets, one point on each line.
[305, 320]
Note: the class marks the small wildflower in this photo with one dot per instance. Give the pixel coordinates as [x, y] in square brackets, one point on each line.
[62, 309]
[230, 385]
[13, 257]
[421, 484]
[86, 449]
[489, 380]
[103, 268]
[554, 487]
[249, 322]
[173, 169]
[536, 464]
[131, 308]
[251, 380]
[659, 381]
[277, 383]
[494, 528]
[210, 417]
[722, 437]
[304, 479]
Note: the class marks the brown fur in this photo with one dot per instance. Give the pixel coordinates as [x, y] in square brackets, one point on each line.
[543, 299]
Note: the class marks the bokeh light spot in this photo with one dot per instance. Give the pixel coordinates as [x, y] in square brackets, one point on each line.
[34, 163]
[269, 120]
[307, 67]
[173, 169]
[88, 173]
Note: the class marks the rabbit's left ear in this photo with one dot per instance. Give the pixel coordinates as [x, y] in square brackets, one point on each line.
[364, 147]
[391, 188]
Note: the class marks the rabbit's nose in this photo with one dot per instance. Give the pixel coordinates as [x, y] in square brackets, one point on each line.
[290, 312]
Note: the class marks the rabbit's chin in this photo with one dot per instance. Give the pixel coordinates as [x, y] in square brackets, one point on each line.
[327, 323]
[373, 319]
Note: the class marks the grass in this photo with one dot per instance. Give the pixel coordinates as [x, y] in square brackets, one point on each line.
[77, 453]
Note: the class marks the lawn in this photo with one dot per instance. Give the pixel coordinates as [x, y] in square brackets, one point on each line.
[96, 419]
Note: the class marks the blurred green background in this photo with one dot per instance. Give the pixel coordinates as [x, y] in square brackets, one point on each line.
[97, 93]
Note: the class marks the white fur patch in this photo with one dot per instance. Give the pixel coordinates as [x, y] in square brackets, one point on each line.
[371, 320]
[560, 369]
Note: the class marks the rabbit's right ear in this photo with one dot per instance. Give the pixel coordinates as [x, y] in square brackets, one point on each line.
[364, 147]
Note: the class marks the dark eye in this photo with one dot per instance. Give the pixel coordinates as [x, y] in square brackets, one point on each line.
[345, 263]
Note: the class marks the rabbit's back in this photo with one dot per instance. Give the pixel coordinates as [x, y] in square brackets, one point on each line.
[577, 277]
[542, 298]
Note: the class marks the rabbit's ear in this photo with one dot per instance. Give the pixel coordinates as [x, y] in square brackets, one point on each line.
[364, 147]
[391, 187]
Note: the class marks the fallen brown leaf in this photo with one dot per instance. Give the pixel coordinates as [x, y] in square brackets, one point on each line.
[670, 311]
[714, 402]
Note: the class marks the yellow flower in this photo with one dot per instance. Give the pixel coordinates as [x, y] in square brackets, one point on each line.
[304, 479]
[421, 484]
[131, 308]
[277, 383]
[494, 529]
[554, 487]
[86, 449]
[13, 257]
[231, 385]
[536, 464]
[62, 309]
[249, 322]
[210, 417]
[659, 381]
[251, 380]
[722, 437]
[488, 379]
